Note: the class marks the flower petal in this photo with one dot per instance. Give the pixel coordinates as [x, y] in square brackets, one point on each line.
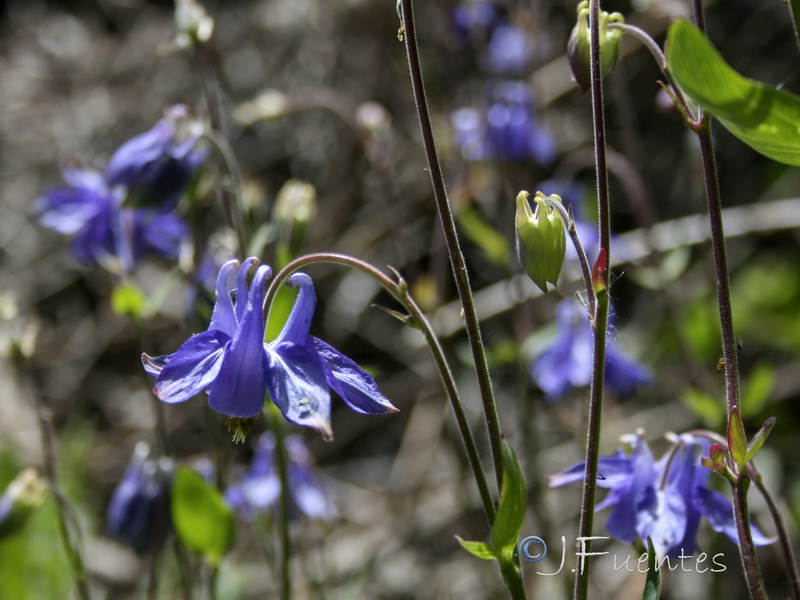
[298, 387]
[353, 384]
[192, 368]
[241, 385]
[611, 471]
[242, 296]
[222, 318]
[718, 511]
[298, 324]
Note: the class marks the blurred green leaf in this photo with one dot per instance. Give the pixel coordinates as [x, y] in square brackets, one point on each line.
[127, 300]
[510, 516]
[757, 389]
[279, 311]
[479, 549]
[483, 235]
[711, 410]
[202, 519]
[763, 117]
[652, 585]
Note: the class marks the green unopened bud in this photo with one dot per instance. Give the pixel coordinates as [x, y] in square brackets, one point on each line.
[541, 240]
[295, 207]
[22, 496]
[579, 44]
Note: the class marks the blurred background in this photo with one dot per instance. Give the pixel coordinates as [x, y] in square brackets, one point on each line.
[318, 91]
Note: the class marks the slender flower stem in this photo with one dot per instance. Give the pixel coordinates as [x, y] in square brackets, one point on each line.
[67, 520]
[283, 513]
[586, 270]
[451, 239]
[747, 549]
[783, 534]
[601, 315]
[399, 290]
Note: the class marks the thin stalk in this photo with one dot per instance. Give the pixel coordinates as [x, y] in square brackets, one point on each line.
[457, 261]
[586, 270]
[284, 568]
[783, 534]
[68, 526]
[747, 549]
[600, 318]
[213, 575]
[399, 290]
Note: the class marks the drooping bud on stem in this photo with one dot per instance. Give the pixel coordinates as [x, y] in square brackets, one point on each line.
[541, 240]
[579, 44]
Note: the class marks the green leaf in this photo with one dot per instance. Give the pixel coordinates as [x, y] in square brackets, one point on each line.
[652, 586]
[711, 410]
[482, 234]
[127, 300]
[511, 512]
[479, 549]
[737, 442]
[763, 117]
[202, 519]
[759, 438]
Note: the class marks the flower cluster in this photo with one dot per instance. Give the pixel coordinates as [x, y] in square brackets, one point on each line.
[259, 489]
[231, 361]
[506, 127]
[118, 216]
[662, 500]
[567, 362]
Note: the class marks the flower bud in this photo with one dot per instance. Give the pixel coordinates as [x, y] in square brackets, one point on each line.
[139, 511]
[22, 496]
[193, 23]
[541, 240]
[579, 44]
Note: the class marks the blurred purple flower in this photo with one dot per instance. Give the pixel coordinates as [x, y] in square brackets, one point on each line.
[509, 51]
[156, 166]
[303, 369]
[661, 500]
[567, 362]
[259, 489]
[150, 171]
[228, 359]
[507, 130]
[139, 512]
[475, 21]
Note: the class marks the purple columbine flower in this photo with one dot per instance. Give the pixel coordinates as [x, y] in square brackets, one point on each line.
[227, 360]
[663, 500]
[156, 166]
[259, 489]
[509, 51]
[567, 362]
[150, 171]
[303, 369]
[506, 130]
[139, 512]
[475, 21]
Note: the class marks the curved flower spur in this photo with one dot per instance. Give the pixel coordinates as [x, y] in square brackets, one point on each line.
[233, 364]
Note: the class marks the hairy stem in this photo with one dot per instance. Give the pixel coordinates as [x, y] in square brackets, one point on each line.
[600, 318]
[283, 513]
[451, 239]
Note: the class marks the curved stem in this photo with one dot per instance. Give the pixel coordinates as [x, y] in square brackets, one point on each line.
[783, 534]
[451, 239]
[600, 317]
[400, 292]
[586, 270]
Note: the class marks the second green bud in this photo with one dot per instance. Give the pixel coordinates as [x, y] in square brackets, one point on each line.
[541, 240]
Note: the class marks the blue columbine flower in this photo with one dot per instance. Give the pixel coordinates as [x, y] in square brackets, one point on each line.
[567, 362]
[509, 51]
[227, 360]
[150, 171]
[506, 129]
[303, 370]
[259, 489]
[663, 500]
[156, 166]
[139, 512]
